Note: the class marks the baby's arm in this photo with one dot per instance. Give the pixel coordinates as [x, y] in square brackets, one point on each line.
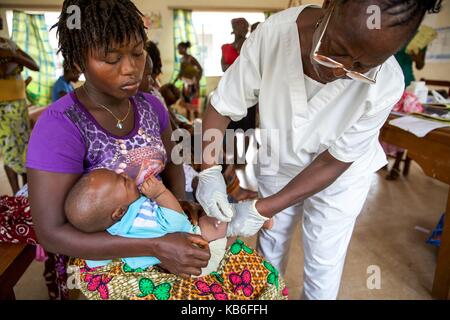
[154, 189]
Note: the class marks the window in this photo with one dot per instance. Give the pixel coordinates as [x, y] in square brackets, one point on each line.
[213, 29]
[51, 18]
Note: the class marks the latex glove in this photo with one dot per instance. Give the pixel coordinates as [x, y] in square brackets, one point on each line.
[212, 194]
[246, 221]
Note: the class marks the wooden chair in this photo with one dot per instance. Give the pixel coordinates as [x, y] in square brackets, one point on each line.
[14, 261]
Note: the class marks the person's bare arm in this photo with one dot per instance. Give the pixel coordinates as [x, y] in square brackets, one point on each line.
[48, 191]
[168, 200]
[321, 173]
[173, 175]
[28, 81]
[154, 189]
[212, 120]
[24, 59]
[199, 66]
[419, 58]
[224, 65]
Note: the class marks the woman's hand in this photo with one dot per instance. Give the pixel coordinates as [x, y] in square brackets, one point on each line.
[183, 254]
[212, 194]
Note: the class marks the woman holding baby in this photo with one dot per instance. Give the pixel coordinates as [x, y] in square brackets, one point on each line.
[108, 124]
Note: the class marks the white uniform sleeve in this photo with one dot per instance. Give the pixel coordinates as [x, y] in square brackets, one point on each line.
[238, 89]
[361, 136]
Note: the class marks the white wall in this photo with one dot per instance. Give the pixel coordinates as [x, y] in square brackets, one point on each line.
[165, 35]
[4, 31]
[437, 71]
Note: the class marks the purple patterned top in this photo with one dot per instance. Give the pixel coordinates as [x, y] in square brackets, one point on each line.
[68, 139]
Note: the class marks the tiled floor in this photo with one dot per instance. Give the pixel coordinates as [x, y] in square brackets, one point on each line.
[385, 236]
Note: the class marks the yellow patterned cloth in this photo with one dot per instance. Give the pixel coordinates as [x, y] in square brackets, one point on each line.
[14, 134]
[243, 274]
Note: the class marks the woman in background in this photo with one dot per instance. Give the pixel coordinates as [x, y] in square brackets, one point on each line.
[14, 122]
[190, 73]
[230, 52]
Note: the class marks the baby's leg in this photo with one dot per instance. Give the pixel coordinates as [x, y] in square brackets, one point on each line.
[211, 229]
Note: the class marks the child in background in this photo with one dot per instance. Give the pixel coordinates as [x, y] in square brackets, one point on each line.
[173, 100]
[64, 85]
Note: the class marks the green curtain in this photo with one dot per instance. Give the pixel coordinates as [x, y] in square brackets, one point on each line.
[31, 35]
[183, 30]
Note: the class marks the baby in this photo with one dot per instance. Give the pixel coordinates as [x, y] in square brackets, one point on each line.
[104, 200]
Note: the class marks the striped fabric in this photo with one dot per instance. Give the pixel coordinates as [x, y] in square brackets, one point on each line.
[30, 33]
[146, 217]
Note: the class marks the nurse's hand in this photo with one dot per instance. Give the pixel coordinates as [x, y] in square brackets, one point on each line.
[246, 221]
[212, 194]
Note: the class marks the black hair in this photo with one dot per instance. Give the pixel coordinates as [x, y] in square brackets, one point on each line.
[66, 67]
[166, 90]
[254, 26]
[186, 44]
[103, 22]
[155, 55]
[405, 11]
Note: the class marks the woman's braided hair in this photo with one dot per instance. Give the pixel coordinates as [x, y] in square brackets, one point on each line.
[155, 55]
[103, 22]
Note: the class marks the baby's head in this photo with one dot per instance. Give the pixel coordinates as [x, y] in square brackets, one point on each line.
[100, 199]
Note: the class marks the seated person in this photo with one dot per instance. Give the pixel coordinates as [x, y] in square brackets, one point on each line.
[174, 101]
[104, 200]
[63, 85]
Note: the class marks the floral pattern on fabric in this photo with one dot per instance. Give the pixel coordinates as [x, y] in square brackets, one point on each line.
[242, 275]
[16, 226]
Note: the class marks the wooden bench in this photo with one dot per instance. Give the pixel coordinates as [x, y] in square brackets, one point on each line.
[14, 261]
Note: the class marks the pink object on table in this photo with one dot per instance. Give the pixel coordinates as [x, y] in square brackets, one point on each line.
[408, 103]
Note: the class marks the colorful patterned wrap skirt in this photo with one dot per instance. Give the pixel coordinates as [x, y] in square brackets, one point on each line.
[243, 274]
[14, 134]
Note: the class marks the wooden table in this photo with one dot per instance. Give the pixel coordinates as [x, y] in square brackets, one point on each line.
[14, 261]
[432, 153]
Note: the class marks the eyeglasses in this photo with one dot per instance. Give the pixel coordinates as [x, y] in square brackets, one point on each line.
[330, 63]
